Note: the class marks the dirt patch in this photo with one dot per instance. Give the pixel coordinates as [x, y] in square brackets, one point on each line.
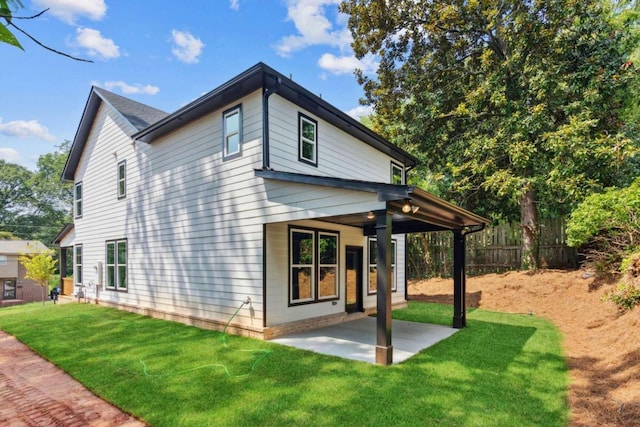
[602, 347]
[33, 392]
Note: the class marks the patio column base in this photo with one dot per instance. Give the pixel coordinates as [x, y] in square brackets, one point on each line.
[384, 355]
[459, 322]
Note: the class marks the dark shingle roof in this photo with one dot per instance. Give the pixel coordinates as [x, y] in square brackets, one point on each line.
[138, 114]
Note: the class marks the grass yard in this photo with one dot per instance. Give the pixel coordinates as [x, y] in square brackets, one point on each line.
[503, 370]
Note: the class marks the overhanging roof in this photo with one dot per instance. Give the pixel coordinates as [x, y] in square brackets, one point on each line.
[62, 233]
[432, 213]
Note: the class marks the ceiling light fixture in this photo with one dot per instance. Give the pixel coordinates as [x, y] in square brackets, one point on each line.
[406, 207]
[371, 215]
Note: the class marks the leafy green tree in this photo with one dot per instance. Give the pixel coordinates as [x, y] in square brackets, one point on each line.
[16, 197]
[517, 108]
[40, 267]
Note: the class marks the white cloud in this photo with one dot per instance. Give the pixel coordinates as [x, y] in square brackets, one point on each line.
[234, 4]
[10, 155]
[187, 48]
[26, 129]
[314, 28]
[69, 10]
[128, 89]
[360, 111]
[96, 45]
[346, 64]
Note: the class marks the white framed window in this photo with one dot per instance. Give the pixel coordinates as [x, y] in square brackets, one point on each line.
[373, 266]
[232, 132]
[3, 260]
[122, 179]
[313, 265]
[397, 173]
[116, 263]
[77, 199]
[308, 140]
[78, 264]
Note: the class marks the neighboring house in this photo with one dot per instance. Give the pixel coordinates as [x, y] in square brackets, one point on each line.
[258, 192]
[15, 288]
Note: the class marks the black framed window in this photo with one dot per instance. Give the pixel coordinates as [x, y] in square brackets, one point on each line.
[78, 263]
[373, 266]
[116, 265]
[232, 132]
[313, 265]
[77, 199]
[397, 173]
[307, 140]
[122, 179]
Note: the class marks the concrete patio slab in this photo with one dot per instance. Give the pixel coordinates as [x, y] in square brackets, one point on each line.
[356, 339]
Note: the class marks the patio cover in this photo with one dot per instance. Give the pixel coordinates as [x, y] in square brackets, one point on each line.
[423, 212]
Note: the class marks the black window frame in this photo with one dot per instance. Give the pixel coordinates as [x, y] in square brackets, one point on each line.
[77, 266]
[394, 265]
[116, 265]
[316, 266]
[78, 203]
[225, 114]
[302, 118]
[122, 165]
[401, 168]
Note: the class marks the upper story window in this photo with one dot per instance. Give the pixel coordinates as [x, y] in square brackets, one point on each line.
[77, 199]
[308, 140]
[122, 179]
[3, 260]
[397, 173]
[232, 131]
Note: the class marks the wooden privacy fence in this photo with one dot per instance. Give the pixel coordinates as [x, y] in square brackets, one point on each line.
[492, 250]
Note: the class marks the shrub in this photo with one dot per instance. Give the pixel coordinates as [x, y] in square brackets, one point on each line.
[627, 294]
[606, 228]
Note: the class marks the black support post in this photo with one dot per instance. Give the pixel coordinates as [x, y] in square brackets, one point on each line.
[384, 349]
[459, 281]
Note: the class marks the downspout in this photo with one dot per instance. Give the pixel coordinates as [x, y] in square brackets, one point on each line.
[265, 122]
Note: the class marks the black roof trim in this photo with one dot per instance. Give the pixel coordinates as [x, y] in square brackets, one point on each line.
[261, 76]
[65, 230]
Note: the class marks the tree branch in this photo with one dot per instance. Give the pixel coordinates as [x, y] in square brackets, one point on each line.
[46, 47]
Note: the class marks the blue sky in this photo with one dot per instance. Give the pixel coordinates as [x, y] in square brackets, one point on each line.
[163, 54]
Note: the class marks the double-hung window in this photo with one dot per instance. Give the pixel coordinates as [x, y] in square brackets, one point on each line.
[122, 179]
[397, 173]
[78, 259]
[232, 132]
[313, 265]
[116, 261]
[308, 140]
[373, 266]
[77, 199]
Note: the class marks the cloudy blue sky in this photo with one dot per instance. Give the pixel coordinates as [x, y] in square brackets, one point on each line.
[163, 54]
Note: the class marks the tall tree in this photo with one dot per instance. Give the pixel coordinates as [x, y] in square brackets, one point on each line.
[515, 105]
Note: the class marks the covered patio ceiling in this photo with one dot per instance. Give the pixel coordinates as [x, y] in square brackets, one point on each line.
[406, 209]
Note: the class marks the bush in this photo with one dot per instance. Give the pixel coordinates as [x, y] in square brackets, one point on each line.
[627, 294]
[606, 228]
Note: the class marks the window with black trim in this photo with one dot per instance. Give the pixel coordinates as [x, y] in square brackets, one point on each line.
[313, 265]
[78, 259]
[373, 266]
[397, 173]
[122, 179]
[232, 132]
[77, 199]
[308, 140]
[116, 263]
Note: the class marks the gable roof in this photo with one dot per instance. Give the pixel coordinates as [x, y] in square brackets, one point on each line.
[136, 114]
[149, 124]
[16, 247]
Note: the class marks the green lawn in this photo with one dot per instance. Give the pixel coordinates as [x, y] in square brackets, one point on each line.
[502, 370]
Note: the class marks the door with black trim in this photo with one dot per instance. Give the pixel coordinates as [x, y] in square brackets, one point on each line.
[353, 289]
[9, 289]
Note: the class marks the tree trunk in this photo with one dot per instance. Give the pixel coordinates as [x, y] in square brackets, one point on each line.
[530, 233]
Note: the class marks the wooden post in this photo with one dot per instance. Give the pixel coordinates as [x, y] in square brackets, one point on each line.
[459, 281]
[384, 349]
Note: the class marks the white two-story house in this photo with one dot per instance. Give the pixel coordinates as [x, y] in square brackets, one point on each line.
[258, 194]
